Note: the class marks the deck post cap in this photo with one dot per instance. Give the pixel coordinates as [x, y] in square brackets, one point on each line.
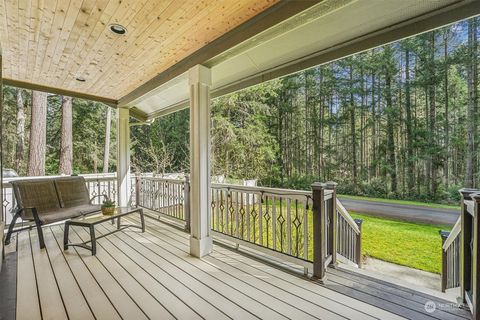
[475, 196]
[331, 184]
[467, 191]
[318, 186]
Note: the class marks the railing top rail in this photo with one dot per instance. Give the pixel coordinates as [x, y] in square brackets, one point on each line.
[264, 190]
[88, 177]
[344, 213]
[453, 234]
[179, 181]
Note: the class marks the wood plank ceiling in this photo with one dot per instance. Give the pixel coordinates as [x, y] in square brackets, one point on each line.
[52, 42]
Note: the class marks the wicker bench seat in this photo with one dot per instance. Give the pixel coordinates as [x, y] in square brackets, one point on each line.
[50, 200]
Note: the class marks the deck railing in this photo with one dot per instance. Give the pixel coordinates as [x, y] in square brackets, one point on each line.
[275, 221]
[451, 257]
[279, 222]
[167, 197]
[102, 185]
[349, 240]
[309, 228]
[470, 250]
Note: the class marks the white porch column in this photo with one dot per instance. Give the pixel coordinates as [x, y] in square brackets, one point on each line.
[123, 156]
[200, 238]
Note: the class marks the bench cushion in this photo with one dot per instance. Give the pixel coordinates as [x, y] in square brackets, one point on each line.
[38, 193]
[58, 215]
[88, 208]
[68, 213]
[72, 191]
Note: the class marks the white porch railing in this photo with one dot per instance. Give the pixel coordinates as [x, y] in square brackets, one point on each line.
[169, 198]
[287, 224]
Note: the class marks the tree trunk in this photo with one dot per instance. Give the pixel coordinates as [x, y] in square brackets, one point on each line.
[106, 151]
[433, 114]
[66, 146]
[373, 165]
[38, 136]
[472, 103]
[390, 129]
[408, 110]
[20, 146]
[352, 128]
[447, 123]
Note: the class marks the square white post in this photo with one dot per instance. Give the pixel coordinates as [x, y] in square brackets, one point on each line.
[200, 238]
[123, 157]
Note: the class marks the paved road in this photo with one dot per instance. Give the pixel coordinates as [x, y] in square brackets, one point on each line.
[403, 212]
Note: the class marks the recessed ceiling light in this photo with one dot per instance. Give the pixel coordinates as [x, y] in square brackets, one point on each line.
[118, 29]
[81, 79]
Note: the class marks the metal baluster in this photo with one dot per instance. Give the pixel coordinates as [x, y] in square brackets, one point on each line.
[274, 222]
[248, 212]
[289, 227]
[98, 189]
[267, 222]
[217, 204]
[305, 231]
[237, 221]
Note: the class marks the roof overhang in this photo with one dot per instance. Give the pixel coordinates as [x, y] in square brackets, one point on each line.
[330, 30]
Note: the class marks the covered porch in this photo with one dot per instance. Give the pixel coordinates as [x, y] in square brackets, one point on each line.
[276, 249]
[152, 276]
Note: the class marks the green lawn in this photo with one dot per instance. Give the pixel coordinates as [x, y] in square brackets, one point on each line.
[405, 202]
[410, 244]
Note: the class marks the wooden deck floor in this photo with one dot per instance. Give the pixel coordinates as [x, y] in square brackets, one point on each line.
[152, 276]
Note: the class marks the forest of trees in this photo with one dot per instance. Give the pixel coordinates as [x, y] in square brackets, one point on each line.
[398, 121]
[46, 134]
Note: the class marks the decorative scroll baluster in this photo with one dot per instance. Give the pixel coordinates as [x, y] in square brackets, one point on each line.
[238, 218]
[274, 222]
[306, 233]
[268, 218]
[289, 227]
[250, 207]
[212, 208]
[260, 219]
[241, 214]
[281, 221]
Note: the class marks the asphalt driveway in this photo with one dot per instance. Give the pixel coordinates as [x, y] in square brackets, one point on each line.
[409, 213]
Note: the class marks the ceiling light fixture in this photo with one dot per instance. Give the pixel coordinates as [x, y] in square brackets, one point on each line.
[118, 29]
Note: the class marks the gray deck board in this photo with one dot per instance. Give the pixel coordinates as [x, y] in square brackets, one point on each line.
[400, 295]
[151, 276]
[8, 289]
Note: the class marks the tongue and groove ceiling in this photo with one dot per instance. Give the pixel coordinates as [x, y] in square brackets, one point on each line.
[52, 42]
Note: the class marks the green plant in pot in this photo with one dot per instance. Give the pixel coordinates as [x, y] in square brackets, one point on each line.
[108, 207]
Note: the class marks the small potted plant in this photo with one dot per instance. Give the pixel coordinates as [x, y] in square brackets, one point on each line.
[108, 207]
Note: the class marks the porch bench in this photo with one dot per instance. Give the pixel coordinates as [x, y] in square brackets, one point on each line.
[50, 200]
